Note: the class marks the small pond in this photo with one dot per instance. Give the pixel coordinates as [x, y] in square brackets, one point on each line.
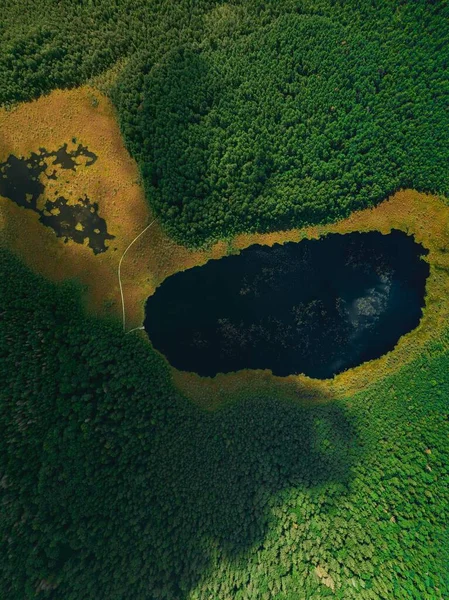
[23, 180]
[316, 307]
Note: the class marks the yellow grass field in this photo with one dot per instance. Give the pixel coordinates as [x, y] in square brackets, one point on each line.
[113, 182]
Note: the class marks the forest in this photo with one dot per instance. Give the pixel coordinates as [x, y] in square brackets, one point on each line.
[242, 116]
[114, 486]
[252, 116]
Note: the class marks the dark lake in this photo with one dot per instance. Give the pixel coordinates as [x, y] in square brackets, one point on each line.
[316, 307]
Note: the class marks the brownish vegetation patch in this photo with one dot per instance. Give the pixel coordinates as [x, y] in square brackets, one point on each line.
[113, 182]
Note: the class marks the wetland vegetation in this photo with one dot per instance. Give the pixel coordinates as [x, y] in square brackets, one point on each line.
[247, 122]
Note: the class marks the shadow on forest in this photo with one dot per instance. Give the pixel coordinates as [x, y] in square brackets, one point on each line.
[217, 475]
[138, 481]
[158, 498]
[135, 489]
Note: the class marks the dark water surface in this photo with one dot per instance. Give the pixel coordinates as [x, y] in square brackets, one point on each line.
[317, 307]
[23, 180]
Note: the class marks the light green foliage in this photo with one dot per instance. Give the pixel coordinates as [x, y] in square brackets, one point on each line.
[291, 116]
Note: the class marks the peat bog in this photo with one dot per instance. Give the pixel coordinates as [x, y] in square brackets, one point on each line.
[22, 180]
[316, 307]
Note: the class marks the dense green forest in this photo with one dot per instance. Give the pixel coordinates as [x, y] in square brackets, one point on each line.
[243, 115]
[248, 115]
[115, 487]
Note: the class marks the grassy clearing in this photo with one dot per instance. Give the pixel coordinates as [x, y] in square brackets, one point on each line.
[113, 181]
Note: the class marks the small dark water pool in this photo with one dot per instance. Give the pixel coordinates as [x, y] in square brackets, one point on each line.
[23, 180]
[317, 307]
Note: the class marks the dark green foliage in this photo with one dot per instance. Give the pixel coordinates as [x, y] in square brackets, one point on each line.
[114, 487]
